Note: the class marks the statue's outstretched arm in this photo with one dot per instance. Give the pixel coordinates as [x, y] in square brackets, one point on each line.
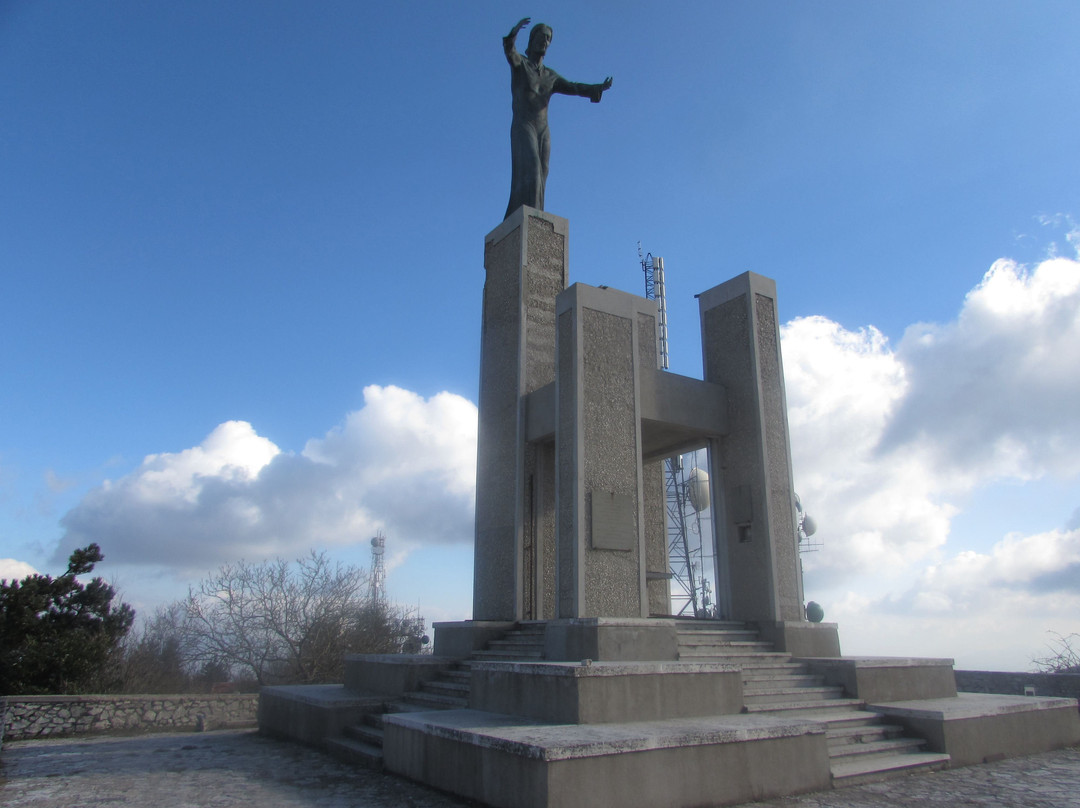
[517, 28]
[591, 91]
[512, 56]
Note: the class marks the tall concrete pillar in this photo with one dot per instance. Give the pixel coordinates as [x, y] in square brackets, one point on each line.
[603, 337]
[526, 262]
[756, 533]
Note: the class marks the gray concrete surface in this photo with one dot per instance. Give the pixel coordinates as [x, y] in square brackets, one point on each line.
[231, 769]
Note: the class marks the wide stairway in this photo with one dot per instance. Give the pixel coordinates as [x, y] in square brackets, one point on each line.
[362, 742]
[862, 747]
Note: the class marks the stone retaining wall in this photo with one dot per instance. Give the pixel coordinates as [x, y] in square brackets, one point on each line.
[1066, 685]
[26, 717]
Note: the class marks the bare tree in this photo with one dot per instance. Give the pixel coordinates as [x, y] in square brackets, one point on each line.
[1064, 655]
[154, 657]
[282, 622]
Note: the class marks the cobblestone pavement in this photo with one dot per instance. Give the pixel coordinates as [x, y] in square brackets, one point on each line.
[243, 770]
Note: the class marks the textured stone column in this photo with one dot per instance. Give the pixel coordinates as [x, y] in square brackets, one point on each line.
[599, 481]
[526, 262]
[757, 541]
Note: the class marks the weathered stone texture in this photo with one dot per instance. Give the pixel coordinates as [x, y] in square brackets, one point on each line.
[26, 717]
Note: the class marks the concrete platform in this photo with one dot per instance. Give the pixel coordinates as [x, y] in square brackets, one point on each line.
[604, 692]
[311, 714]
[234, 769]
[981, 727]
[508, 762]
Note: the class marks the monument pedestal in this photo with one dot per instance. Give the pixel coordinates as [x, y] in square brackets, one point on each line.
[625, 708]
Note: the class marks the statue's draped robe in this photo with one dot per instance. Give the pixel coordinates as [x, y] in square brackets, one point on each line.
[532, 86]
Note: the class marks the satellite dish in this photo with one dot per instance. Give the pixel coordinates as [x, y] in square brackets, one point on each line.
[809, 526]
[697, 489]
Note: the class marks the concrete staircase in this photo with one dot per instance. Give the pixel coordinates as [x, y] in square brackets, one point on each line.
[862, 748]
[362, 742]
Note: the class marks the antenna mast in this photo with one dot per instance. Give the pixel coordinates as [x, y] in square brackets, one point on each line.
[377, 593]
[653, 267]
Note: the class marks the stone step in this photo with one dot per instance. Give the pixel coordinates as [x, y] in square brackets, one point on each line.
[748, 649]
[789, 694]
[365, 733]
[516, 649]
[513, 638]
[721, 648]
[754, 678]
[870, 733]
[872, 770]
[716, 635]
[888, 747]
[374, 720]
[850, 719]
[747, 662]
[400, 706]
[439, 687]
[432, 701]
[464, 676]
[508, 654]
[807, 709]
[535, 627]
[355, 752]
[772, 666]
[709, 625]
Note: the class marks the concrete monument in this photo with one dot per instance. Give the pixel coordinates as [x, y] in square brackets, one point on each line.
[573, 685]
[532, 84]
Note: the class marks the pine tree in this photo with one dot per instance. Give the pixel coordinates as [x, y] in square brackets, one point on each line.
[58, 635]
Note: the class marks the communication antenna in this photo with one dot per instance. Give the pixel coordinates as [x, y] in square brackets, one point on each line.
[687, 489]
[653, 267]
[377, 592]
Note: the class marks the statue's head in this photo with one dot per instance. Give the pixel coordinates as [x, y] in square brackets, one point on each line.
[539, 39]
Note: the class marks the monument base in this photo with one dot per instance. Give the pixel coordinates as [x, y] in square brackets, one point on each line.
[542, 733]
[524, 764]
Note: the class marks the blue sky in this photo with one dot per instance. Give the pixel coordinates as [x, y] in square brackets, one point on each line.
[241, 263]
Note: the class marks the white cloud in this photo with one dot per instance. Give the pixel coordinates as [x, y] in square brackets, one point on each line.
[14, 570]
[987, 610]
[401, 463]
[994, 394]
[886, 442]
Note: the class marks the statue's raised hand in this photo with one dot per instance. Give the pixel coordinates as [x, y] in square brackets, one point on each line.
[607, 83]
[521, 24]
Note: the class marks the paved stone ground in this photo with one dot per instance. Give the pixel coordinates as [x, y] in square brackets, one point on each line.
[243, 770]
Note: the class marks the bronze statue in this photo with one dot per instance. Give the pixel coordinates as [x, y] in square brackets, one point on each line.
[532, 85]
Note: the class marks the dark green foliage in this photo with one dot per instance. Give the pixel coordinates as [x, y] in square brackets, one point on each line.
[58, 635]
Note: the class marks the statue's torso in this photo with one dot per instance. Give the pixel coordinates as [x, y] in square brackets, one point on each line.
[532, 86]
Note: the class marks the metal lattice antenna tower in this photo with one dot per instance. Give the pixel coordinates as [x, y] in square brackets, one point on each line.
[685, 553]
[377, 592]
[653, 267]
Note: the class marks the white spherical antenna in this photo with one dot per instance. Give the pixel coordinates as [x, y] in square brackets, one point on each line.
[697, 489]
